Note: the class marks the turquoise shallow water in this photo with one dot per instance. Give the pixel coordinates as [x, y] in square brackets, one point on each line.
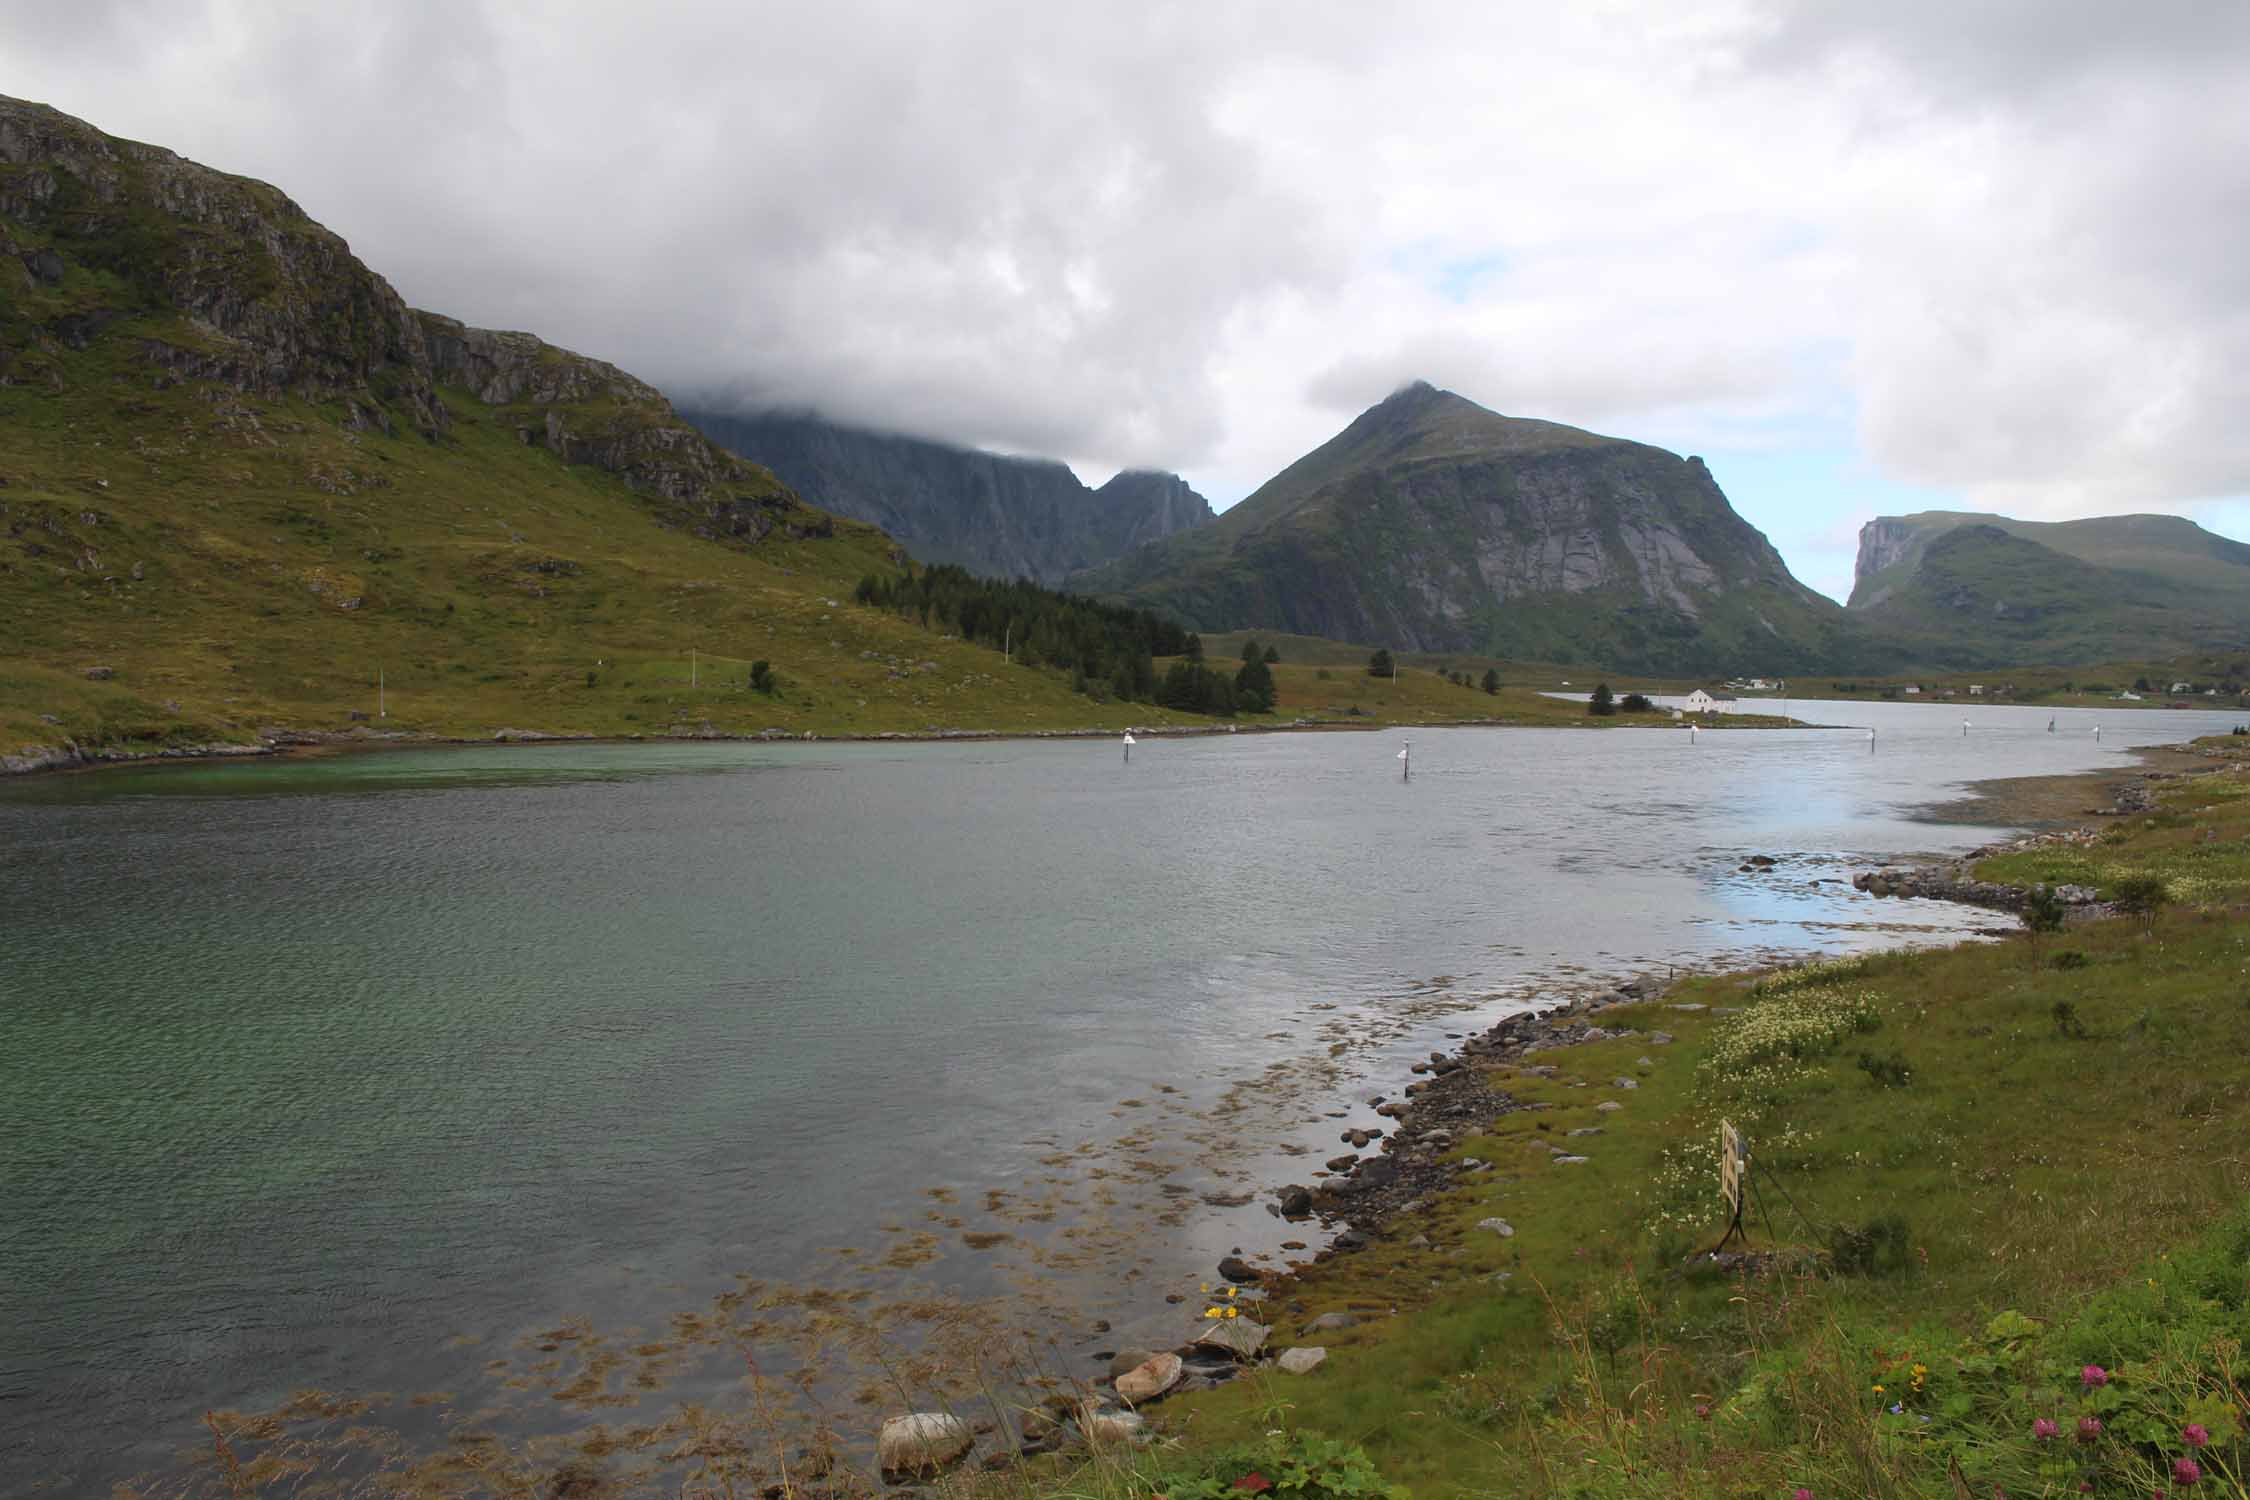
[311, 1066]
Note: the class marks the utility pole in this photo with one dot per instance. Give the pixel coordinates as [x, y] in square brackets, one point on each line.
[382, 696]
[694, 667]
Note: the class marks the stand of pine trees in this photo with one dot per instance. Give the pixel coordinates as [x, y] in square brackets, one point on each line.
[1109, 650]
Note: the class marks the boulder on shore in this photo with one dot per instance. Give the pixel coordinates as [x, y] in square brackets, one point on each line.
[1302, 1360]
[1149, 1379]
[1129, 1359]
[1237, 1338]
[921, 1442]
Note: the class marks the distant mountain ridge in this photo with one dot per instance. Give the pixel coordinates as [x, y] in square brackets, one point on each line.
[991, 513]
[1966, 588]
[1433, 524]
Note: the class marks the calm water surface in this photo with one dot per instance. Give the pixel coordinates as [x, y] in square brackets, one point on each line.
[314, 1068]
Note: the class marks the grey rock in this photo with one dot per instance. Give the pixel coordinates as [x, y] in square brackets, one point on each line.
[1238, 1338]
[1150, 1379]
[1500, 1227]
[1334, 1322]
[1302, 1360]
[921, 1442]
[1129, 1359]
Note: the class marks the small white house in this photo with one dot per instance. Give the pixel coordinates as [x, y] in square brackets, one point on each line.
[1701, 702]
[2183, 687]
[1976, 690]
[1913, 688]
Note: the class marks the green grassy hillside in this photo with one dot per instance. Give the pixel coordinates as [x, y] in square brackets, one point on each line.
[1962, 589]
[259, 564]
[242, 485]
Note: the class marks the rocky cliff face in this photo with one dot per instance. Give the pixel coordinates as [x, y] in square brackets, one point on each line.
[1433, 524]
[987, 512]
[189, 274]
[1139, 506]
[1884, 543]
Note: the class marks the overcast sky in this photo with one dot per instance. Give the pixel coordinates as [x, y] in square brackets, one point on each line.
[1863, 257]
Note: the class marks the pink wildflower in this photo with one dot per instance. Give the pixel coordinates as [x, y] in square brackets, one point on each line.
[1802, 1494]
[2196, 1434]
[2186, 1471]
[2092, 1376]
[2089, 1428]
[2044, 1428]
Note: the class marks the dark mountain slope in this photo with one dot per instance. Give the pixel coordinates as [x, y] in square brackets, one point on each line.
[987, 512]
[1434, 524]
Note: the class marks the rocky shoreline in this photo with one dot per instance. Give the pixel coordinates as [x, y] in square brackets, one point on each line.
[1453, 1101]
[1390, 1173]
[1955, 879]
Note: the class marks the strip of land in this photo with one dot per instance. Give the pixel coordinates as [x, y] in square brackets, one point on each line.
[1973, 1174]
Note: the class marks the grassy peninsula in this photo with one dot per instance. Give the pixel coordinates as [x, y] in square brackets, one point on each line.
[1997, 1240]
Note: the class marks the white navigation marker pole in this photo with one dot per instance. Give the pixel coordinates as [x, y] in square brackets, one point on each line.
[1128, 747]
[1692, 731]
[1964, 729]
[1870, 742]
[2097, 731]
[1406, 761]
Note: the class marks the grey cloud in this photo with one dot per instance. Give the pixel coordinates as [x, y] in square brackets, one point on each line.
[1188, 235]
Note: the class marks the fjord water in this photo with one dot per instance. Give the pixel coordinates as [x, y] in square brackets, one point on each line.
[316, 1069]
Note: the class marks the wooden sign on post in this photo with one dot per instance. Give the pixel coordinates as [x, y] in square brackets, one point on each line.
[1731, 1168]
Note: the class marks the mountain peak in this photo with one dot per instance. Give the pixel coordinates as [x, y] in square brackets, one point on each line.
[1433, 523]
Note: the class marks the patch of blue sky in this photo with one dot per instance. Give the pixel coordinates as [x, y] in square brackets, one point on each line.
[1811, 501]
[1459, 280]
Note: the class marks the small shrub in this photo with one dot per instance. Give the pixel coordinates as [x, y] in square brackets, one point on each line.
[2067, 1023]
[1880, 1247]
[1635, 703]
[2071, 958]
[2141, 896]
[1889, 1072]
[2042, 914]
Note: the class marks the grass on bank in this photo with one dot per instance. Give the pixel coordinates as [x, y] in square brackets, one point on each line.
[2035, 1170]
[237, 563]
